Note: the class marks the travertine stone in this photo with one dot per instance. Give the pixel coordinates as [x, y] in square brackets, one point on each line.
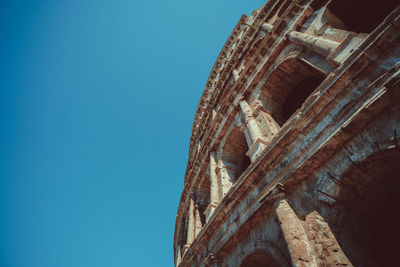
[252, 125]
[197, 220]
[191, 223]
[225, 180]
[295, 236]
[253, 131]
[235, 74]
[319, 45]
[271, 126]
[326, 248]
[210, 210]
[214, 185]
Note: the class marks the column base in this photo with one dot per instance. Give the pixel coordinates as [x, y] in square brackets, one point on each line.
[210, 210]
[256, 149]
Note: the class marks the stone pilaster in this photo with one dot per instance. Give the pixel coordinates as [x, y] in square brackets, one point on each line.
[269, 126]
[225, 182]
[197, 219]
[214, 188]
[252, 131]
[191, 223]
[252, 126]
[214, 185]
[296, 239]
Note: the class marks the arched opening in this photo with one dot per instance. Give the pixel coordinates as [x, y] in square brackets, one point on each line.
[203, 198]
[288, 87]
[259, 258]
[299, 94]
[234, 157]
[369, 223]
[362, 16]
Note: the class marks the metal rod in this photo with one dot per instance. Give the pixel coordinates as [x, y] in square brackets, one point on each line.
[326, 194]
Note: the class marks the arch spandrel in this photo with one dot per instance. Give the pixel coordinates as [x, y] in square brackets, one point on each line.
[291, 80]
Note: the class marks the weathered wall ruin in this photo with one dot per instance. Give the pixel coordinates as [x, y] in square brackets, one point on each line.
[294, 156]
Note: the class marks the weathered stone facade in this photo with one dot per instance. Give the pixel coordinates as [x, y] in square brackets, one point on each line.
[294, 156]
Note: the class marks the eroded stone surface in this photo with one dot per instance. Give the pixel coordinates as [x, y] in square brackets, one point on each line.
[295, 236]
[294, 154]
[326, 248]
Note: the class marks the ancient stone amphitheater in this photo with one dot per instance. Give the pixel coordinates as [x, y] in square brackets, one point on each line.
[294, 156]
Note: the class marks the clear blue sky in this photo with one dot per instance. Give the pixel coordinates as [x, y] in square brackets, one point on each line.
[96, 109]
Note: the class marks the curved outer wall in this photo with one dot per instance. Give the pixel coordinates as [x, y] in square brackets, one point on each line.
[294, 153]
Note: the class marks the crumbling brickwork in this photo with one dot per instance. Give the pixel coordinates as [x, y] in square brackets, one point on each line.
[294, 155]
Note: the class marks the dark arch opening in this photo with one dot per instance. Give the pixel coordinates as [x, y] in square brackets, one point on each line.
[299, 94]
[360, 15]
[287, 87]
[203, 198]
[370, 221]
[234, 156]
[259, 259]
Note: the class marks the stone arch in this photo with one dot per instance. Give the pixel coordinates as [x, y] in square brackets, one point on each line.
[234, 159]
[368, 224]
[288, 86]
[203, 198]
[264, 254]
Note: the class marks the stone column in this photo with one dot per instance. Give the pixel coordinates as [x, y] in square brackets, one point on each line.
[295, 236]
[191, 223]
[252, 126]
[214, 186]
[319, 45]
[253, 132]
[268, 125]
[225, 182]
[197, 220]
